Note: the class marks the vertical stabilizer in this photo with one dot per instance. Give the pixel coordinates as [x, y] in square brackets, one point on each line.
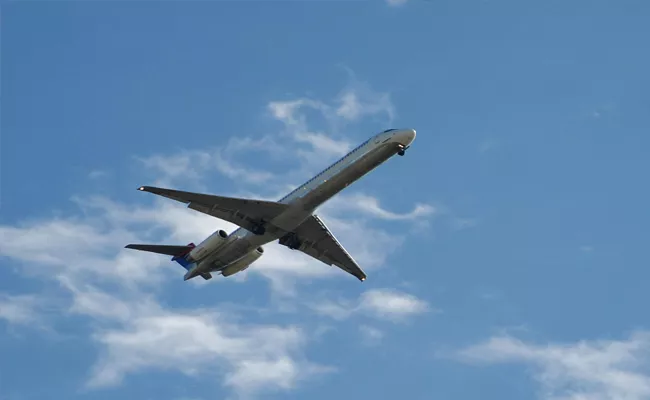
[182, 258]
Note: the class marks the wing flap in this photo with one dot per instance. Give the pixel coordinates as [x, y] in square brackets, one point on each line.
[246, 213]
[319, 243]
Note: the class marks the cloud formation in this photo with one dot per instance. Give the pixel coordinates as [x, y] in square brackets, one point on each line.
[355, 102]
[594, 370]
[17, 310]
[383, 304]
[370, 206]
[199, 343]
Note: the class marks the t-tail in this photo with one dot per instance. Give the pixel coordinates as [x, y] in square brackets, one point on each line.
[179, 254]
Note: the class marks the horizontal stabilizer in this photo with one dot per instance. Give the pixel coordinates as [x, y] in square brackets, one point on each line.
[169, 250]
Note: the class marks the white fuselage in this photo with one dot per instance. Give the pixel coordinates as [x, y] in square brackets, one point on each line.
[303, 201]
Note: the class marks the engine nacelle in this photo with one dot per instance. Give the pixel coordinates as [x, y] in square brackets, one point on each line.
[243, 263]
[206, 247]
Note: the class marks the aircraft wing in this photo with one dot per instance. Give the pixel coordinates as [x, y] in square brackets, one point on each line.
[321, 244]
[242, 212]
[169, 250]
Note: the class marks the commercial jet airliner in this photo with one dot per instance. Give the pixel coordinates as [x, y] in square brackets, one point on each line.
[290, 220]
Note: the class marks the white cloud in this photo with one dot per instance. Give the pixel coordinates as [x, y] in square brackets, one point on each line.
[594, 370]
[73, 245]
[287, 111]
[356, 101]
[19, 310]
[239, 173]
[323, 143]
[86, 254]
[185, 165]
[293, 116]
[191, 166]
[391, 304]
[198, 342]
[369, 205]
[385, 304]
[90, 300]
[360, 101]
[350, 107]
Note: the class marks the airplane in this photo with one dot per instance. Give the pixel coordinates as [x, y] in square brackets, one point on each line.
[290, 220]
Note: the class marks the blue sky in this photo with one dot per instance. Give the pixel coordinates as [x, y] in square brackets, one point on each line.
[505, 253]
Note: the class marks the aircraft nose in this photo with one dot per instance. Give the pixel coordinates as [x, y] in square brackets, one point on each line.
[405, 137]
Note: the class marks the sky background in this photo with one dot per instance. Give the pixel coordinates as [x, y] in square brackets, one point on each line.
[505, 252]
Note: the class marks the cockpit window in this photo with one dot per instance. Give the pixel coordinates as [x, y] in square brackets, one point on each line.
[389, 130]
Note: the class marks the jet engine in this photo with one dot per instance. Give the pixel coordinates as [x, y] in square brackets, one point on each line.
[243, 263]
[213, 242]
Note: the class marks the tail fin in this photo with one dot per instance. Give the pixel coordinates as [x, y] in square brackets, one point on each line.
[179, 253]
[181, 258]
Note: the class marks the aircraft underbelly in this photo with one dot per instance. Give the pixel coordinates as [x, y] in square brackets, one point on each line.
[292, 218]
